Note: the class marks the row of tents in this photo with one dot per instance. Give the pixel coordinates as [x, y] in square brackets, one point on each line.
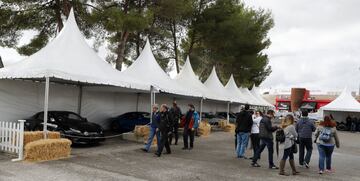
[77, 79]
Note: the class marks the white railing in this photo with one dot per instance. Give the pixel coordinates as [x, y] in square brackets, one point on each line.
[12, 138]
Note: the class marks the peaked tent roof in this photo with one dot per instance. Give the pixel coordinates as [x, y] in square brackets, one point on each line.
[234, 91]
[188, 79]
[68, 57]
[344, 102]
[147, 69]
[251, 99]
[256, 93]
[213, 83]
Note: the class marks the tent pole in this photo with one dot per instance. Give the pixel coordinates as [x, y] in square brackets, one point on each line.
[46, 105]
[228, 110]
[137, 101]
[80, 99]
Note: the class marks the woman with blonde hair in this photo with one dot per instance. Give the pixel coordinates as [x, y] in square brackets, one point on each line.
[288, 145]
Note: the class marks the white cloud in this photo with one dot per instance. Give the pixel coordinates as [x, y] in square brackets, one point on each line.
[315, 44]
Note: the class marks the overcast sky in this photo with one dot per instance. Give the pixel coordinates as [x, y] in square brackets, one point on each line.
[315, 44]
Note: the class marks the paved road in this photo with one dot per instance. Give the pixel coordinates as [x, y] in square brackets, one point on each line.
[212, 159]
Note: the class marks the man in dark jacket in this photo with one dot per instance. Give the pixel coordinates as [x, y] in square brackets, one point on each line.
[305, 127]
[267, 139]
[164, 128]
[191, 122]
[243, 128]
[175, 115]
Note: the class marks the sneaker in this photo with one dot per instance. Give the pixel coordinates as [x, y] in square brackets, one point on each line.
[273, 167]
[184, 148]
[255, 164]
[321, 172]
[306, 165]
[144, 150]
[329, 171]
[156, 155]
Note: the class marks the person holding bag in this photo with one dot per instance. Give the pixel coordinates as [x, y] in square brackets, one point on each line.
[289, 146]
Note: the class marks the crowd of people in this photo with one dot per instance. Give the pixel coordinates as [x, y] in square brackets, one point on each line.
[165, 126]
[290, 138]
[353, 123]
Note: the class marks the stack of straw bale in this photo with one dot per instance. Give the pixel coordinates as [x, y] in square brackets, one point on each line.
[204, 129]
[47, 149]
[30, 136]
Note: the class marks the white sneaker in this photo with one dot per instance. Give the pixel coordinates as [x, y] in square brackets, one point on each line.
[306, 165]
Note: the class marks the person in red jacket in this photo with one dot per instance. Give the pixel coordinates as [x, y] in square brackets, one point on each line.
[190, 122]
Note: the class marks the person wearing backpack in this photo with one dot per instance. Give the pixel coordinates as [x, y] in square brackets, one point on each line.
[288, 145]
[326, 138]
[305, 127]
[266, 139]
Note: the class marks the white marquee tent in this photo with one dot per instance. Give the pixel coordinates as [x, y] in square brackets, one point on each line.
[256, 93]
[67, 59]
[345, 102]
[147, 69]
[250, 98]
[234, 91]
[188, 79]
[344, 105]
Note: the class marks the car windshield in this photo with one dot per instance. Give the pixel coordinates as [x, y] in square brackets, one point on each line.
[75, 117]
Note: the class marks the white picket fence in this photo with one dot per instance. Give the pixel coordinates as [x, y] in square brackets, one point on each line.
[12, 138]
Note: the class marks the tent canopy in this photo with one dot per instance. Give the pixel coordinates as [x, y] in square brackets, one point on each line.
[147, 69]
[250, 98]
[344, 102]
[189, 80]
[69, 58]
[213, 83]
[256, 93]
[234, 91]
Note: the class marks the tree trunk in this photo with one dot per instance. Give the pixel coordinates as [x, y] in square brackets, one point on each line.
[58, 15]
[138, 40]
[1, 63]
[121, 50]
[175, 48]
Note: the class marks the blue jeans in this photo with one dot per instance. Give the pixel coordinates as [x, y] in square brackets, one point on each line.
[242, 142]
[325, 154]
[151, 137]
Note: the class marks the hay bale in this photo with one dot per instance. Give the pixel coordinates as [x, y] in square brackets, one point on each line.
[30, 136]
[142, 130]
[204, 129]
[47, 149]
[230, 128]
[223, 123]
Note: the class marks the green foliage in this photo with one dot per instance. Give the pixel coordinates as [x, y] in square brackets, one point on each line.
[231, 37]
[224, 33]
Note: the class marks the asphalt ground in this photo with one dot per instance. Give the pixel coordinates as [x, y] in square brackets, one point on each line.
[213, 158]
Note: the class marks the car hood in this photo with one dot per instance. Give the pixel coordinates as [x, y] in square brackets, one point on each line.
[85, 126]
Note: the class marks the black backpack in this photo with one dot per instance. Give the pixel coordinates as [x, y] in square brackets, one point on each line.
[280, 136]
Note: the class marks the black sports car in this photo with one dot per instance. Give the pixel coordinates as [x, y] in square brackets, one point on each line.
[69, 124]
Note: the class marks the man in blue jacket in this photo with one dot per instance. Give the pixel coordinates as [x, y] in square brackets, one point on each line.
[305, 127]
[191, 123]
[153, 129]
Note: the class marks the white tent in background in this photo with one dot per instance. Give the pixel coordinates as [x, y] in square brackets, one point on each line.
[345, 102]
[188, 79]
[256, 93]
[213, 83]
[67, 59]
[234, 91]
[147, 69]
[250, 98]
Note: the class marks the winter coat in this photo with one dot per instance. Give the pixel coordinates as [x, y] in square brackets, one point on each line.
[266, 129]
[244, 122]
